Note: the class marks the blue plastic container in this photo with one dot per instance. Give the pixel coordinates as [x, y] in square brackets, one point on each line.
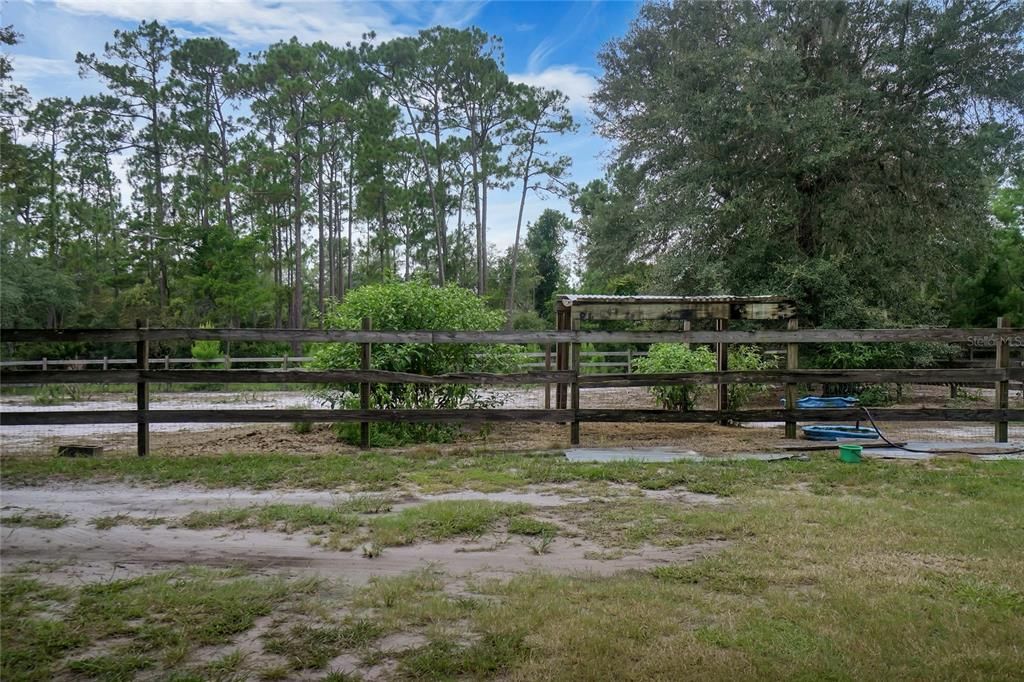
[810, 402]
[839, 432]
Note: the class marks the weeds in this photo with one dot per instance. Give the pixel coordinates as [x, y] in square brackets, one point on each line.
[108, 522]
[542, 545]
[42, 520]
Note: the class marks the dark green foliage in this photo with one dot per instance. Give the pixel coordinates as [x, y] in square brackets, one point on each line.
[664, 358]
[996, 288]
[545, 240]
[410, 306]
[812, 149]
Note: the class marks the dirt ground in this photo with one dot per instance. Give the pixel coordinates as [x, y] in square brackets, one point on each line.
[79, 551]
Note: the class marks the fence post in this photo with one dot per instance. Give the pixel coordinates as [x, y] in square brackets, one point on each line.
[142, 392]
[722, 356]
[44, 364]
[284, 362]
[364, 388]
[547, 367]
[792, 363]
[629, 361]
[106, 363]
[574, 429]
[1002, 387]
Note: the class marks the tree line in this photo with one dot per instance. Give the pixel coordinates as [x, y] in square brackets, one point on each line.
[865, 158]
[259, 189]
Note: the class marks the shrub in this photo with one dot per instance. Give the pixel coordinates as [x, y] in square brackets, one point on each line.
[674, 357]
[206, 351]
[403, 306]
[747, 358]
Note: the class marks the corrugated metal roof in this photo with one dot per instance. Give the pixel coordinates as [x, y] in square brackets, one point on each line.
[571, 299]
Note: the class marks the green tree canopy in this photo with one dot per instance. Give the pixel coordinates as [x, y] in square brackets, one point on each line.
[840, 152]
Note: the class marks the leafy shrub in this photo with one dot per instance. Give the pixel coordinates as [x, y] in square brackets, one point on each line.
[879, 395]
[747, 358]
[54, 394]
[206, 351]
[674, 357]
[882, 355]
[403, 306]
[879, 356]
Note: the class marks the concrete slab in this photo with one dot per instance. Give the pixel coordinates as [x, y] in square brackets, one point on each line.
[664, 454]
[921, 450]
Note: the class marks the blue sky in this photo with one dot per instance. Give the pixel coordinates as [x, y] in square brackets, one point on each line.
[553, 44]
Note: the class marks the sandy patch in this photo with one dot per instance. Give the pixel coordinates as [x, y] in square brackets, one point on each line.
[79, 552]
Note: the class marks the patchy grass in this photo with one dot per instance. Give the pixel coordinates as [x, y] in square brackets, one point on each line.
[310, 647]
[880, 570]
[112, 630]
[433, 472]
[288, 518]
[442, 520]
[44, 520]
[108, 522]
[338, 528]
[382, 472]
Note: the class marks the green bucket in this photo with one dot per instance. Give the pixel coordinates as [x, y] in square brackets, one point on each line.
[850, 453]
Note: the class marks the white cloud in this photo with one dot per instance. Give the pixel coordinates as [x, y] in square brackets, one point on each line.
[28, 67]
[577, 84]
[257, 22]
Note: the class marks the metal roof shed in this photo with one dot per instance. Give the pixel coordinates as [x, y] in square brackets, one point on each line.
[591, 307]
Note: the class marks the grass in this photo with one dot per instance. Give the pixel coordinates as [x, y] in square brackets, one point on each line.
[880, 570]
[284, 517]
[344, 530]
[108, 522]
[442, 520]
[310, 647]
[110, 630]
[44, 520]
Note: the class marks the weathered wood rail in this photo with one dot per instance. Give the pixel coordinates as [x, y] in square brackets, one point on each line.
[1002, 338]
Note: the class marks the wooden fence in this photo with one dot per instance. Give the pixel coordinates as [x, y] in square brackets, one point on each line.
[1001, 338]
[592, 361]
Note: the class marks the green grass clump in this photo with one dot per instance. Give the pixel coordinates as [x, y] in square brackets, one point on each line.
[442, 520]
[285, 517]
[44, 520]
[310, 647]
[525, 525]
[108, 522]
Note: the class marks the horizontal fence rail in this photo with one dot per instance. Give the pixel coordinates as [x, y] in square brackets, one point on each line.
[374, 376]
[981, 338]
[569, 377]
[242, 416]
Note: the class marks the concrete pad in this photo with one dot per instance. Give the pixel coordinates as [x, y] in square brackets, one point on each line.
[664, 454]
[922, 450]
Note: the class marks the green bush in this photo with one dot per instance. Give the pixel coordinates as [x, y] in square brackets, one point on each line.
[674, 357]
[747, 358]
[404, 306]
[206, 351]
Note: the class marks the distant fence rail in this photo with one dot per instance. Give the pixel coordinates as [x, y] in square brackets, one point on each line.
[607, 359]
[570, 377]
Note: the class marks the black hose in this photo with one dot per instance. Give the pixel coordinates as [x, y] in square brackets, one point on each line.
[933, 452]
